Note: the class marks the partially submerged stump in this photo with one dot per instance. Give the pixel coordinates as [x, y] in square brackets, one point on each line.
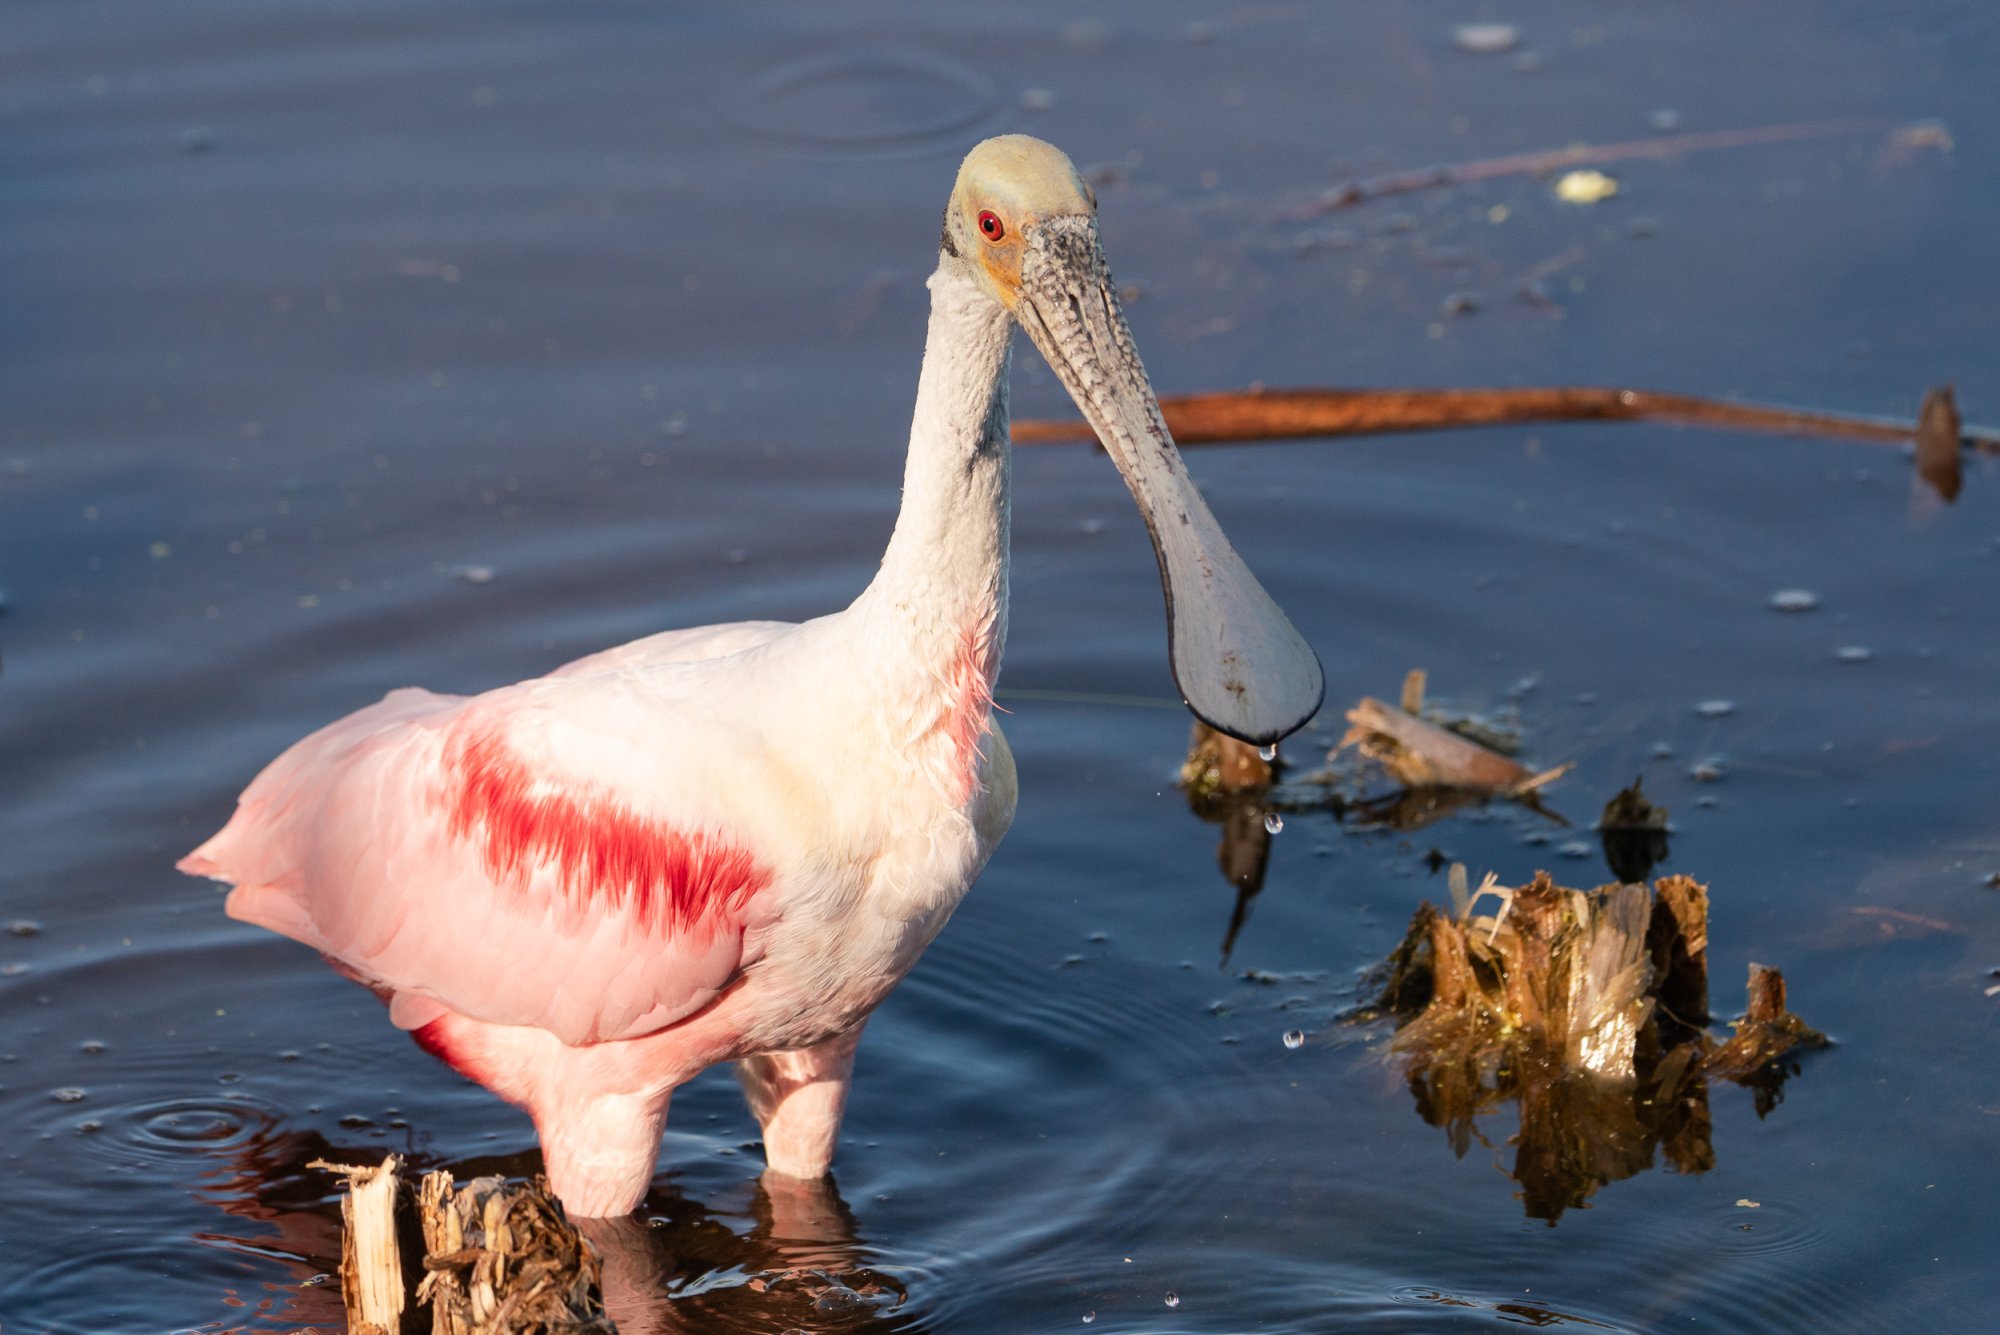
[1587, 1008]
[501, 1258]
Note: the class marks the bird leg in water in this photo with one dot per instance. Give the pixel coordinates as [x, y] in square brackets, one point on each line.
[798, 1098]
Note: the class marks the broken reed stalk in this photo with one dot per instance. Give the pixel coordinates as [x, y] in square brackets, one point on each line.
[371, 1265]
[1285, 414]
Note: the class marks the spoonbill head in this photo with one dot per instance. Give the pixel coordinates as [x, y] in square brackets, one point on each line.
[1023, 223]
[728, 843]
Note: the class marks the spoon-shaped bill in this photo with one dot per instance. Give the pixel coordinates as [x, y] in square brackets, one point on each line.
[1240, 664]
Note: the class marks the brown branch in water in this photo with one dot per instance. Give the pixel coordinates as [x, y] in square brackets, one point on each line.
[1283, 414]
[1545, 161]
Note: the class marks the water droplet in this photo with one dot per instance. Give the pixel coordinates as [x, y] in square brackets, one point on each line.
[1794, 600]
[1268, 753]
[1716, 708]
[1173, 1299]
[1295, 1039]
[1273, 822]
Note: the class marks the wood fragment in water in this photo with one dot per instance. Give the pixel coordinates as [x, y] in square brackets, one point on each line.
[1420, 754]
[1940, 462]
[1767, 1033]
[1292, 414]
[371, 1265]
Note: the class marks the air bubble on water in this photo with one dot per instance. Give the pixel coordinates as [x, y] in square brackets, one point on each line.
[1295, 1038]
[1273, 822]
[1268, 753]
[1173, 1299]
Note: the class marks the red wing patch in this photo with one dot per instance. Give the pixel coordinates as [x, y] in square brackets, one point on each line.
[603, 853]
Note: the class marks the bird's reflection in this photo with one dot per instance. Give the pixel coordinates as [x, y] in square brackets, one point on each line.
[784, 1254]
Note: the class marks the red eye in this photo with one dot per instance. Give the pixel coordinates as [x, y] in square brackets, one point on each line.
[990, 226]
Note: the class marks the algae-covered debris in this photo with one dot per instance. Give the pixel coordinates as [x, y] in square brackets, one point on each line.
[1589, 1009]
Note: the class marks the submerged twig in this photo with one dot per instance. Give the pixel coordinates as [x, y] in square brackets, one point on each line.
[1283, 414]
[1545, 161]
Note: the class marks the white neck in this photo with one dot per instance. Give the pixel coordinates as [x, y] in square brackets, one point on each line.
[936, 613]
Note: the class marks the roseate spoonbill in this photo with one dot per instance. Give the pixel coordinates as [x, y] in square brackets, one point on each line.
[729, 843]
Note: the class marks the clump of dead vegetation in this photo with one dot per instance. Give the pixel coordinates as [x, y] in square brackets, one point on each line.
[1588, 1008]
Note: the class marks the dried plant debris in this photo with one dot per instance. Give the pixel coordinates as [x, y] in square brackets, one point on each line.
[1590, 1010]
[503, 1257]
[1634, 833]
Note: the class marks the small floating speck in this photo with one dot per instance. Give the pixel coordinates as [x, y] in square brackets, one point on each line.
[1585, 187]
[1747, 1204]
[1716, 708]
[1576, 848]
[1794, 600]
[1707, 771]
[1089, 1317]
[472, 574]
[91, 1047]
[1273, 822]
[1295, 1039]
[1485, 39]
[1854, 653]
[67, 1094]
[23, 927]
